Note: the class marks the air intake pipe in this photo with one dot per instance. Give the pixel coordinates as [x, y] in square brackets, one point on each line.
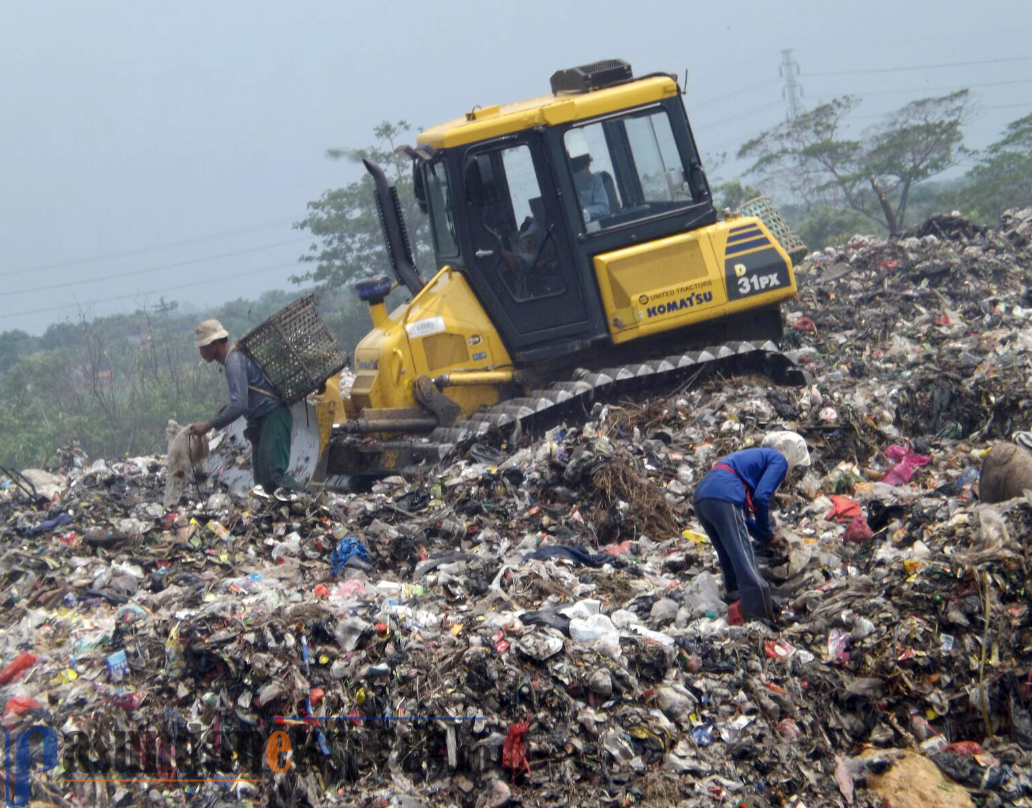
[396, 240]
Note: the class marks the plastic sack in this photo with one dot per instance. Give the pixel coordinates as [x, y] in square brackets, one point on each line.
[992, 527]
[838, 647]
[591, 628]
[582, 610]
[19, 705]
[858, 531]
[622, 618]
[1006, 473]
[16, 668]
[514, 750]
[842, 509]
[597, 632]
[906, 462]
[649, 634]
[702, 595]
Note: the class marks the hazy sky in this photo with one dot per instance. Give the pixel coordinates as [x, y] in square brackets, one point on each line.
[173, 144]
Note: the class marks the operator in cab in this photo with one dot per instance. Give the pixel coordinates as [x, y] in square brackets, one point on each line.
[250, 395]
[532, 262]
[524, 257]
[732, 502]
[528, 243]
[591, 188]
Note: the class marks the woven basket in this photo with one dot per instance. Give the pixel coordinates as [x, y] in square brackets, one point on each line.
[295, 349]
[762, 208]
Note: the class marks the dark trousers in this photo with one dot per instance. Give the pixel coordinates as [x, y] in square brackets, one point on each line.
[724, 523]
[270, 453]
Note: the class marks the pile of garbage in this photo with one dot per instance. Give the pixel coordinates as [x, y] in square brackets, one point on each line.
[541, 623]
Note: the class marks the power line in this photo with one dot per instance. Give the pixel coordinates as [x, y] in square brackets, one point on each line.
[134, 272]
[736, 142]
[941, 89]
[153, 248]
[920, 67]
[176, 288]
[745, 90]
[743, 115]
[1027, 105]
[966, 35]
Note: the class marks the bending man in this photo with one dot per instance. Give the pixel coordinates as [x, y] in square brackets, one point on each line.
[733, 503]
[251, 395]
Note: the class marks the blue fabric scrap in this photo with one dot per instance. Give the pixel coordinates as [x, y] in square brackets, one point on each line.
[348, 548]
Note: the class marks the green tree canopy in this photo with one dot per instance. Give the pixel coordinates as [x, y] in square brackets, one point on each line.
[733, 194]
[14, 345]
[1002, 178]
[346, 223]
[873, 176]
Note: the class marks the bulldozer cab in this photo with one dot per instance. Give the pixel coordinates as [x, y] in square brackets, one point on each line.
[522, 197]
[517, 251]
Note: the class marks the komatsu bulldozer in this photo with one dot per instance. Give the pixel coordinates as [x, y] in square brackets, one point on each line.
[578, 249]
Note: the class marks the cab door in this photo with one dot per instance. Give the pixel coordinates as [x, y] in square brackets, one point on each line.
[521, 264]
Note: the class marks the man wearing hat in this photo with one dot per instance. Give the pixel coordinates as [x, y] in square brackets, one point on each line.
[591, 188]
[251, 395]
[733, 503]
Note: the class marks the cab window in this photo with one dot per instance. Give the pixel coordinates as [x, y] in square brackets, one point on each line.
[626, 168]
[656, 160]
[441, 217]
[511, 233]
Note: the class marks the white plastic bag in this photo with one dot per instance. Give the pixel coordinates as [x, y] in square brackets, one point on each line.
[703, 595]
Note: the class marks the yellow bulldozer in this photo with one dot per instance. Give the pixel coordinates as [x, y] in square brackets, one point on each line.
[578, 252]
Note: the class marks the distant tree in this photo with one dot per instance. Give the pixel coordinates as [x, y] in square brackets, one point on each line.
[346, 316]
[58, 335]
[874, 176]
[346, 223]
[111, 384]
[733, 194]
[240, 316]
[715, 163]
[808, 156]
[39, 408]
[827, 225]
[934, 196]
[14, 345]
[919, 141]
[1002, 178]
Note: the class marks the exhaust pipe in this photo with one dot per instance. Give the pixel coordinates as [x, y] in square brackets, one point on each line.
[399, 249]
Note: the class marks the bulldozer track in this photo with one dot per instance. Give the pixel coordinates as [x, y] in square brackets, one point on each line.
[581, 389]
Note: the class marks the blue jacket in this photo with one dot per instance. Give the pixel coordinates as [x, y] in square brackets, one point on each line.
[761, 471]
[243, 375]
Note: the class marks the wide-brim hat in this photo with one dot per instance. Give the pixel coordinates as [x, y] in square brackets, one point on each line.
[208, 332]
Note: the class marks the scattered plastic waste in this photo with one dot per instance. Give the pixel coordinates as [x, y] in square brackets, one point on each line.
[540, 620]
